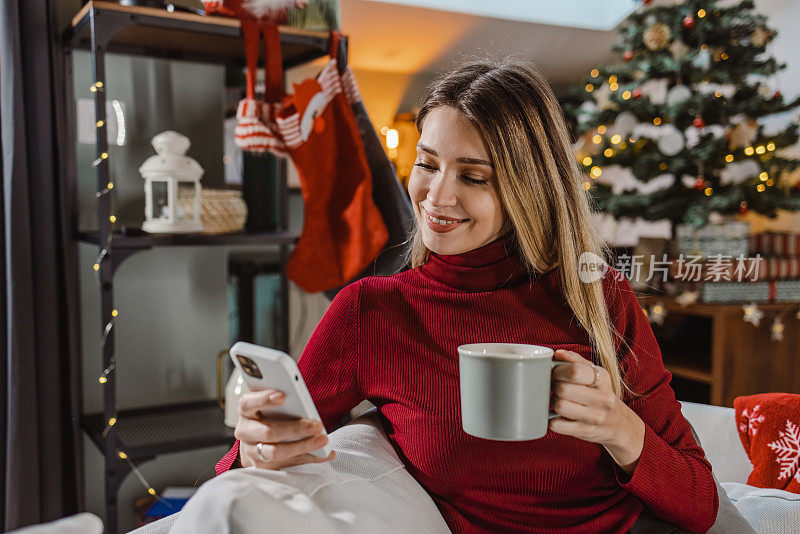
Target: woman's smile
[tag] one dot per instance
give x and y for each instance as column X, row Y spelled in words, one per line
column 441, row 223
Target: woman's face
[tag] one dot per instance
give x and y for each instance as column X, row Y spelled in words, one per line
column 453, row 187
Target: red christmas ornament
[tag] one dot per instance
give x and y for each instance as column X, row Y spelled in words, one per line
column 699, row 183
column 637, row 94
column 699, row 123
column 628, row 55
column 688, row 22
column 645, row 2
column 743, row 208
column 777, row 94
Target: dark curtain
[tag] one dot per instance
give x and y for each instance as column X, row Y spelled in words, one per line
column 39, row 380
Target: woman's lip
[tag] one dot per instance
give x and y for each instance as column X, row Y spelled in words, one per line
column 441, row 228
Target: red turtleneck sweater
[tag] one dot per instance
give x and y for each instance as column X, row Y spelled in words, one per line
column 393, row 340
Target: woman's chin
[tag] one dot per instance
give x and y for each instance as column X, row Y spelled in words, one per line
column 446, row 244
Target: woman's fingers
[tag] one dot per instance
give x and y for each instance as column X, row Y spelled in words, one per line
column 254, row 431
column 277, row 455
column 251, row 404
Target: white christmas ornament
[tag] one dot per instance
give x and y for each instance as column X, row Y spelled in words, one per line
column 655, row 90
column 702, row 60
column 725, row 90
column 625, row 123
column 687, row 297
column 678, row 95
column 678, row 49
column 752, row 314
column 670, row 140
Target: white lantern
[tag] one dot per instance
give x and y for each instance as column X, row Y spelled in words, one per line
column 172, row 187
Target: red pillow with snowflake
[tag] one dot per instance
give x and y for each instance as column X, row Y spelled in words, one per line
column 769, row 427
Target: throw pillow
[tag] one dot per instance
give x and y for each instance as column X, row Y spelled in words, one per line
column 769, row 427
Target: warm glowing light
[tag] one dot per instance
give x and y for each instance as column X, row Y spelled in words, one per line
column 114, row 313
column 104, row 155
column 595, row 73
column 764, row 176
column 587, row 185
column 112, row 421
column 663, row 165
column 616, row 139
column 717, row 94
column 760, row 188
column 93, row 89
column 626, row 95
column 729, row 158
column 613, row 86
column 770, row 146
column 612, row 79
column 701, row 13
column 122, row 455
column 110, row 185
column 608, row 152
column 96, row 266
column 99, row 124
column 601, row 129
column 657, row 121
column 708, row 191
column 392, row 138
column 589, row 88
column 596, row 171
column 657, row 308
column 597, row 139
column 587, row 161
column 749, row 151
column 102, row 380
column 760, row 149
column 99, row 84
column 113, row 219
column 724, row 56
column 384, row 129
column 704, row 47
column 151, row 491
column 770, row 182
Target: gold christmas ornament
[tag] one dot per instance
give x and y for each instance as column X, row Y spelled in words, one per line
column 761, row 36
column 657, row 36
column 743, row 134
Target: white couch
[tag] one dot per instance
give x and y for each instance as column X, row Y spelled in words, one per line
column 367, row 489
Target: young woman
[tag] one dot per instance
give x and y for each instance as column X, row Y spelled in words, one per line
column 501, row 220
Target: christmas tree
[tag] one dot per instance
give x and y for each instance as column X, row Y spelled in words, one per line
column 675, row 130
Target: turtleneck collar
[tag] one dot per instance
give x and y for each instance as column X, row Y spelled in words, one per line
column 493, row 266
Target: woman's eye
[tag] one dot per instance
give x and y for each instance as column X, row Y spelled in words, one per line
column 429, row 168
column 472, row 180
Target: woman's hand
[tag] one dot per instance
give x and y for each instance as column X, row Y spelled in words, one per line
column 252, row 429
column 590, row 411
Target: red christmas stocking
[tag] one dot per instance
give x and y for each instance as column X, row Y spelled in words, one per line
column 343, row 230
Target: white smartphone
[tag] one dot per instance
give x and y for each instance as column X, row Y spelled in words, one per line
column 263, row 368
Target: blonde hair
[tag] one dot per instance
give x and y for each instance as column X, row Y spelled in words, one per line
column 538, row 181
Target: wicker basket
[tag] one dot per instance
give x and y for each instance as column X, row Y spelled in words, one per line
column 222, row 211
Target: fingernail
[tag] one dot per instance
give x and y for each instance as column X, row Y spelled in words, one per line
column 276, row 396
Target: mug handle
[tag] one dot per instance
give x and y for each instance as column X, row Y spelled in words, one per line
column 553, row 364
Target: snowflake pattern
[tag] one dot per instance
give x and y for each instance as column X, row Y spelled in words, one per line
column 753, row 420
column 787, row 450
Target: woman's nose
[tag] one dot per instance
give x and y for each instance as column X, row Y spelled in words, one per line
column 442, row 192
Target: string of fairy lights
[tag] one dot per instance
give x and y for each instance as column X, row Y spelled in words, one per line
column 594, row 171
column 105, row 252
column 751, row 313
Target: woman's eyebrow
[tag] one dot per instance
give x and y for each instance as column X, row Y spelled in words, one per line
column 472, row 161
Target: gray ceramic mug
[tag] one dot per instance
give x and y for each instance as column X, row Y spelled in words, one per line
column 505, row 390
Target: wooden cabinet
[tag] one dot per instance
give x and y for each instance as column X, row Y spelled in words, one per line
column 715, row 356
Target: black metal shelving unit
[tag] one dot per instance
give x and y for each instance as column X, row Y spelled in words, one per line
column 102, row 27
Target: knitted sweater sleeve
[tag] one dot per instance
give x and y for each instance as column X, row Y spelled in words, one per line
column 328, row 364
column 672, row 465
